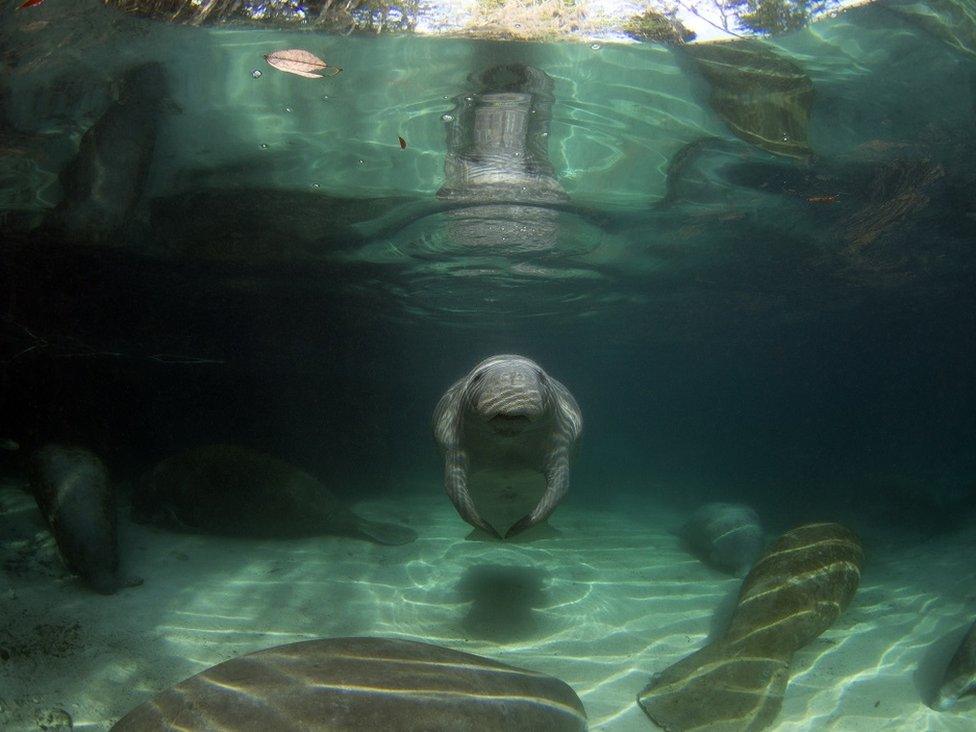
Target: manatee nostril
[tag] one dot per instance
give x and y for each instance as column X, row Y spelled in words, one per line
column 510, row 418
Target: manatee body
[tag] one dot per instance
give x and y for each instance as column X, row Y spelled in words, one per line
column 361, row 684
column 725, row 535
column 960, row 676
column 505, row 417
column 105, row 181
column 232, row 491
column 793, row 593
column 76, row 497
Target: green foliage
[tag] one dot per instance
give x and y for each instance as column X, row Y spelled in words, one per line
column 654, row 25
column 768, row 17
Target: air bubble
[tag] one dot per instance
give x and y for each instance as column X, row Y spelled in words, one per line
column 447, row 118
column 595, row 46
column 287, row 109
column 264, row 146
column 325, row 97
column 256, row 73
column 315, row 185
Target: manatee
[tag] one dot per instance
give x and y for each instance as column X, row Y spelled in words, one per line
column 507, row 414
column 793, row 593
column 960, row 676
column 232, row 491
column 76, row 497
column 497, row 145
column 105, row 181
column 361, row 684
column 726, row 535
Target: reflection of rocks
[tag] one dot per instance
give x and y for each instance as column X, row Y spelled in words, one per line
column 763, row 97
column 895, row 191
column 322, row 14
column 503, row 599
column 951, row 21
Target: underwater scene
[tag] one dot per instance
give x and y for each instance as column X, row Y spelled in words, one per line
column 488, row 365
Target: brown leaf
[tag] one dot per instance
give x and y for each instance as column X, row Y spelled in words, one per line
column 299, row 62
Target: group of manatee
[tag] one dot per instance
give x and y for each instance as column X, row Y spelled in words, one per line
column 507, row 414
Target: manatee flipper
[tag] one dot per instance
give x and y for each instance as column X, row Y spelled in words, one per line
column 568, row 427
column 446, row 428
column 557, row 485
column 456, row 484
column 794, row 592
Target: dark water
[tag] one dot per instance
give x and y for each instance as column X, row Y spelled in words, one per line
column 789, row 322
column 730, row 319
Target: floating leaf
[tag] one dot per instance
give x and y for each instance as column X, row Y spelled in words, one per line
column 299, row 62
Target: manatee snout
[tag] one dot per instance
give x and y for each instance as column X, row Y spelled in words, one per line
column 509, row 396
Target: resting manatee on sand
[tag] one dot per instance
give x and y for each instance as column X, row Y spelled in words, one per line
column 507, row 414
column 794, row 592
column 960, row 676
column 229, row 490
column 361, row 684
column 727, row 536
column 73, row 491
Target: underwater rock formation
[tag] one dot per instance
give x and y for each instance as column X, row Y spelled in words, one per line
column 796, row 590
column 960, row 675
column 361, row 684
column 73, row 491
column 232, row 491
column 763, row 97
column 726, row 535
column 507, row 414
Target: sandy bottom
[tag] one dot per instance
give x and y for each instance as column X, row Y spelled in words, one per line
column 603, row 603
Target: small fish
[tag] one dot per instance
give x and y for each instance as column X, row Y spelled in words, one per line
column 403, row 143
column 29, row 4
column 10, row 445
column 832, row 198
column 299, row 62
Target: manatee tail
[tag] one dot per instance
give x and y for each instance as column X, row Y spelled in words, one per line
column 720, row 687
column 383, row 533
